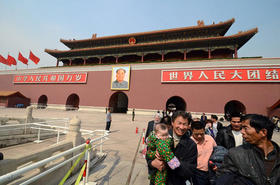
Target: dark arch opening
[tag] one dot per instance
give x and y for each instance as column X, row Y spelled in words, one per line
column 72, row 102
column 234, row 107
column 118, row 102
column 178, row 102
column 42, row 102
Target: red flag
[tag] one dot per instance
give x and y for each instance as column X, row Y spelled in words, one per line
column 11, row 60
column 4, row 61
column 33, row 58
column 22, row 59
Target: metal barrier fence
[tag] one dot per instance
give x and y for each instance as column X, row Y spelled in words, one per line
column 46, row 126
column 86, row 152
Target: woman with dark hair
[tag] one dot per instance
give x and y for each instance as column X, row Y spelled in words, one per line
column 209, row 128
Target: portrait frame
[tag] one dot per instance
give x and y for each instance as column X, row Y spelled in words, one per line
column 122, row 70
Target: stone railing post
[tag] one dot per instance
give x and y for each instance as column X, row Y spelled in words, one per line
column 29, row 117
column 74, row 133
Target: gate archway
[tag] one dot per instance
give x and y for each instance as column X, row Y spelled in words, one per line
column 72, row 102
column 42, row 102
column 234, row 107
column 179, row 103
column 118, row 102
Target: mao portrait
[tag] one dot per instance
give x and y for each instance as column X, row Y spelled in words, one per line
column 120, row 78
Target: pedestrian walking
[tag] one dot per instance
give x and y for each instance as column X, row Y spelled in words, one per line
column 108, row 119
column 133, row 114
column 203, row 118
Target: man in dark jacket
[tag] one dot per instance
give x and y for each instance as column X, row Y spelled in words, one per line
column 259, row 159
column 184, row 149
column 230, row 136
column 151, row 124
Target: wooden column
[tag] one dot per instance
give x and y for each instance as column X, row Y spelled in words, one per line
column 99, row 60
column 185, row 55
column 57, row 63
column 85, row 62
column 70, row 64
column 117, row 59
column 142, row 57
column 162, row 56
column 235, row 53
column 209, row 53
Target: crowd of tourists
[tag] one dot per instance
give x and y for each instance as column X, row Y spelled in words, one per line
column 182, row 150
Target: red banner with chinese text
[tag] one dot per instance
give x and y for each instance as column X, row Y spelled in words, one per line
column 52, row 78
column 222, row 75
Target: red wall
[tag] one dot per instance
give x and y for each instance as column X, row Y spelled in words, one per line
column 147, row 92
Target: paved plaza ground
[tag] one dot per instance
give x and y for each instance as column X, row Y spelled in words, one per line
column 120, row 147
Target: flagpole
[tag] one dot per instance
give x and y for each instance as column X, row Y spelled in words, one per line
column 27, row 63
column 16, row 65
column 17, row 57
column 8, row 55
column 6, row 66
column 7, row 59
column 28, row 60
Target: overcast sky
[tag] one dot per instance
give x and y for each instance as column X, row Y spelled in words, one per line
column 36, row 24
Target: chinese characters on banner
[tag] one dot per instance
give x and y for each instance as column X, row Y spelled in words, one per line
column 52, row 78
column 222, row 75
